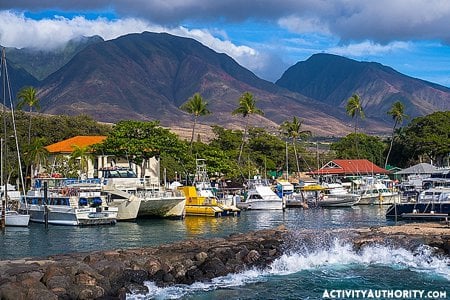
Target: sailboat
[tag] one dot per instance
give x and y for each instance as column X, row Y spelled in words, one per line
column 9, row 216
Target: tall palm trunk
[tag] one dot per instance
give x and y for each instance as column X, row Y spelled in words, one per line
column 296, row 157
column 390, row 146
column 243, row 141
column 193, row 131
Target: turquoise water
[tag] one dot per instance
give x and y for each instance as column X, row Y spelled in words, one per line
column 328, row 267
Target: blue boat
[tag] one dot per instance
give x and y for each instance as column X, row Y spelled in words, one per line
column 432, row 204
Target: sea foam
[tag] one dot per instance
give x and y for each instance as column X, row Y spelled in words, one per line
column 337, row 254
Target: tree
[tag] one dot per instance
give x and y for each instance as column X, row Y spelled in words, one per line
column 138, row 141
column 27, row 96
column 247, row 107
column 196, row 107
column 293, row 131
column 371, row 148
column 397, row 113
column 354, row 109
column 429, row 136
column 35, row 154
column 84, row 154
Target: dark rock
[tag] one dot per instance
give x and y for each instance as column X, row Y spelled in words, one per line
column 112, row 274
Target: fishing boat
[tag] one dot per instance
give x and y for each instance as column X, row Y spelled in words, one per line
column 141, row 197
column 54, row 201
column 260, row 196
column 205, row 195
column 432, row 204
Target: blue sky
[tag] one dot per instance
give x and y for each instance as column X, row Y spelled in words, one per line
column 265, row 36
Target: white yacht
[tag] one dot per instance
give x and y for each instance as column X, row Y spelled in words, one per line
column 260, row 195
column 141, row 197
column 58, row 202
column 375, row 191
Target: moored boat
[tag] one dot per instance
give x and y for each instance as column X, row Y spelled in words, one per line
column 141, row 197
column 205, row 189
column 55, row 202
column 432, row 204
column 260, row 196
column 197, row 205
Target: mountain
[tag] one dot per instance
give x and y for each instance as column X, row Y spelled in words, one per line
column 148, row 76
column 332, row 79
column 41, row 63
column 17, row 78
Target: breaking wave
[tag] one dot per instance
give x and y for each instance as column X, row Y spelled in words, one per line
column 337, row 254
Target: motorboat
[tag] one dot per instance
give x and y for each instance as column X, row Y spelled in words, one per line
column 260, row 196
column 328, row 195
column 374, row 191
column 141, row 197
column 432, row 204
column 205, row 195
column 57, row 202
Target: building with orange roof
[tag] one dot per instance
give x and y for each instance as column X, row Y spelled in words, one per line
column 66, row 147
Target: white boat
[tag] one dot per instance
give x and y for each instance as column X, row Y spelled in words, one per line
column 260, row 195
column 56, row 202
column 335, row 195
column 374, row 191
column 13, row 218
column 141, row 197
column 328, row 195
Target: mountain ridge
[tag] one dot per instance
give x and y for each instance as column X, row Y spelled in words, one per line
column 148, row 76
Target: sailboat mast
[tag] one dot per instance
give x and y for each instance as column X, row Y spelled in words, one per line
column 4, row 195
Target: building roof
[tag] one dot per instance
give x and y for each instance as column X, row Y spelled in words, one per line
column 422, row 168
column 349, row 167
column 67, row 146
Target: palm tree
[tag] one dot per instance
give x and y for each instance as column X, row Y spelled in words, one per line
column 196, row 107
column 293, row 131
column 397, row 113
column 27, row 96
column 247, row 107
column 85, row 155
column 36, row 155
column 354, row 108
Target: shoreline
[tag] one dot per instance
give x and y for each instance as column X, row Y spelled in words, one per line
column 113, row 274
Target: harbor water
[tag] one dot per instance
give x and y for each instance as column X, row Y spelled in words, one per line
column 327, row 268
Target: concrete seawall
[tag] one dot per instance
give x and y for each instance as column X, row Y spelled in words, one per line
column 112, row 274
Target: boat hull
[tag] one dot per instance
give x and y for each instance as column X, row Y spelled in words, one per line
column 163, row 207
column 17, row 220
column 128, row 209
column 62, row 215
column 204, row 210
column 418, row 210
column 275, row 204
column 377, row 200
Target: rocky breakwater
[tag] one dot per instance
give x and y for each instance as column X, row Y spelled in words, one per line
column 112, row 274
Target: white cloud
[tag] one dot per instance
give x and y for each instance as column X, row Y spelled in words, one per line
column 19, row 31
column 368, row 48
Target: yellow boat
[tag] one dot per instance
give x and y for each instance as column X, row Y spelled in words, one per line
column 200, row 206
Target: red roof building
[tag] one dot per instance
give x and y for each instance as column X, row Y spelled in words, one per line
column 349, row 167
